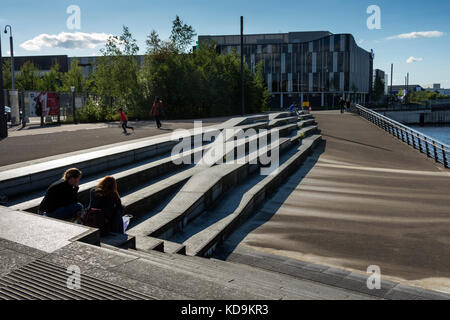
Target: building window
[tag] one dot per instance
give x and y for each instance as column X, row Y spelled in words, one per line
column 290, row 82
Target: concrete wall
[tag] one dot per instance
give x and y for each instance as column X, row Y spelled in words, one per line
column 413, row 117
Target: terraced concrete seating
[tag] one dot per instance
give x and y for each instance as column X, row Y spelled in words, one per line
column 199, row 193
column 204, row 242
column 145, row 199
column 37, row 176
column 198, row 276
column 203, row 189
column 136, row 173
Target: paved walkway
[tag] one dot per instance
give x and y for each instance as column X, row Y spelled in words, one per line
column 35, row 142
column 365, row 198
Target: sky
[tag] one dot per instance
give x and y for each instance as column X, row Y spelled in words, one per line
column 413, row 35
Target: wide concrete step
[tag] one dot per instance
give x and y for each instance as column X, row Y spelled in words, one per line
column 222, row 220
column 279, row 115
column 39, row 175
column 131, row 175
column 199, row 193
column 143, row 200
column 259, row 282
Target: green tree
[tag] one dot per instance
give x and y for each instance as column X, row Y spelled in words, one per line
column 73, row 78
column 117, row 74
column 28, row 77
column 182, row 35
column 51, row 81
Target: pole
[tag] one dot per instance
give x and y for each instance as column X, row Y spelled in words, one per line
column 13, row 76
column 242, row 66
column 392, row 75
column 22, row 106
column 3, row 122
column 74, row 108
column 11, row 47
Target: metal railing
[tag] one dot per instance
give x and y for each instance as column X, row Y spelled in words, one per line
column 437, row 150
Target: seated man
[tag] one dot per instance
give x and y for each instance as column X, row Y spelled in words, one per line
column 61, row 198
column 293, row 108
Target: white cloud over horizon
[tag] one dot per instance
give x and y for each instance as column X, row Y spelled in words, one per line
column 66, row 40
column 413, row 59
column 418, row 34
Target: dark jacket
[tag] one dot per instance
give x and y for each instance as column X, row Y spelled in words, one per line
column 60, row 194
column 111, row 207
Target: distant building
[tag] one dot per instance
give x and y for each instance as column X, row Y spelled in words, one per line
column 44, row 63
column 380, row 74
column 318, row 66
column 411, row 88
column 436, row 87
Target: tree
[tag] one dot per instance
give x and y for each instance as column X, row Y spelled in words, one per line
column 28, row 77
column 117, row 73
column 73, row 78
column 182, row 35
column 51, row 81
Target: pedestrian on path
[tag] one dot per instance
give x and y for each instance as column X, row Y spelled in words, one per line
column 156, row 111
column 124, row 122
column 342, row 104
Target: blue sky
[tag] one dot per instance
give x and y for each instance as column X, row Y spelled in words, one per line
column 30, row 19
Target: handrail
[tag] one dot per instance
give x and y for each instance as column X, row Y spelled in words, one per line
column 425, row 144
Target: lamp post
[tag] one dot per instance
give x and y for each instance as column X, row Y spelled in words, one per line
column 242, row 67
column 3, row 124
column 72, row 88
column 11, row 47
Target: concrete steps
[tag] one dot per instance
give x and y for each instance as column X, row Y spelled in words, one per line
column 267, row 284
column 129, row 176
column 219, row 222
column 199, row 193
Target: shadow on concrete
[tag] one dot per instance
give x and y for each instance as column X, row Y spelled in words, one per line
column 227, row 247
column 355, row 142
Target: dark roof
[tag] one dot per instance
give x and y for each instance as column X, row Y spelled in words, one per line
column 291, row 37
column 42, row 62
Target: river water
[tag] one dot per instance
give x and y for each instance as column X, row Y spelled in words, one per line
column 440, row 133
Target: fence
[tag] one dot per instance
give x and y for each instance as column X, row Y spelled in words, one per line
column 439, row 151
column 26, row 103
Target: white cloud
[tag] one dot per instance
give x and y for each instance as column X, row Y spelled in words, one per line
column 66, row 40
column 413, row 59
column 419, row 34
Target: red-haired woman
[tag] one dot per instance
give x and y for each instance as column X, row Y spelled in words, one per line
column 105, row 209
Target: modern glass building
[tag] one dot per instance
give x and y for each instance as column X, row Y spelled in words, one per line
column 313, row 66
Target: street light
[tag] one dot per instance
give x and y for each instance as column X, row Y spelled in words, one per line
column 3, row 122
column 11, row 47
column 72, row 88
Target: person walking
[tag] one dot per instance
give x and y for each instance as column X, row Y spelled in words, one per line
column 124, row 121
column 156, row 111
column 342, row 104
column 61, row 199
column 105, row 208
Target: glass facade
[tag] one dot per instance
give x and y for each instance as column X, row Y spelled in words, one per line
column 304, row 64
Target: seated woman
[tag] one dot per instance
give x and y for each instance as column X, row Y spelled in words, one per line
column 105, row 209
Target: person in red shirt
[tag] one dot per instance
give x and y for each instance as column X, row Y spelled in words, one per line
column 156, row 111
column 124, row 122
